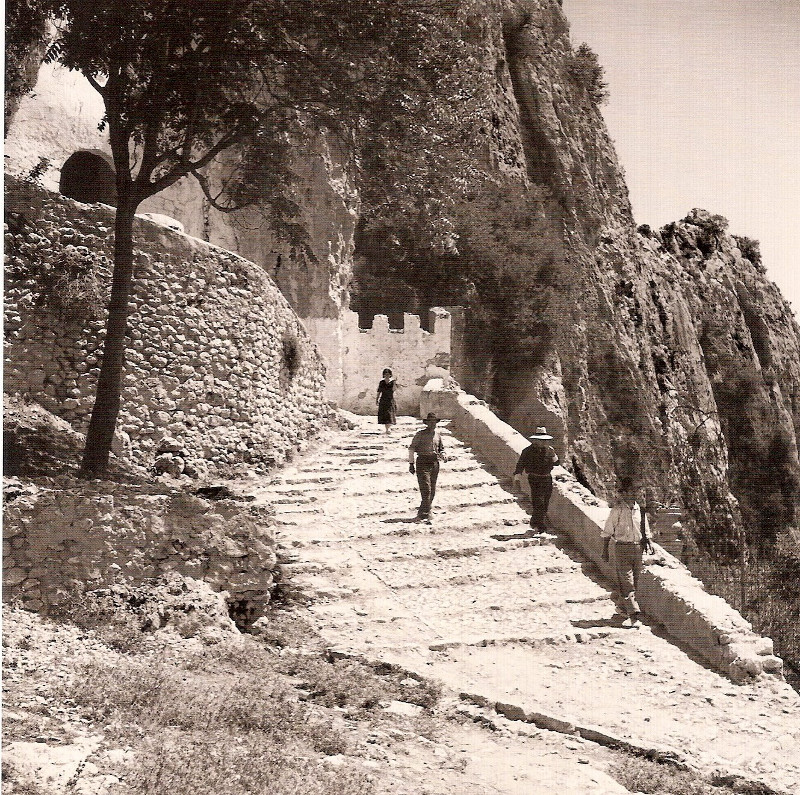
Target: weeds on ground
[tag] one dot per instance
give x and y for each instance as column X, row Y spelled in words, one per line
column 212, row 764
column 117, row 627
column 654, row 778
column 351, row 683
column 221, row 733
column 13, row 781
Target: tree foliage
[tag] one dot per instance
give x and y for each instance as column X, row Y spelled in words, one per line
column 585, row 69
column 26, row 30
column 189, row 81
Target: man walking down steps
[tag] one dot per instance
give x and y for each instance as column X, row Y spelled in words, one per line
column 429, row 449
column 536, row 461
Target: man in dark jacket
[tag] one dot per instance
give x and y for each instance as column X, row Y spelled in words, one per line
column 536, row 461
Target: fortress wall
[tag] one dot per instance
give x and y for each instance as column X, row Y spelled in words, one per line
column 413, row 354
column 100, row 533
column 219, row 370
column 667, row 591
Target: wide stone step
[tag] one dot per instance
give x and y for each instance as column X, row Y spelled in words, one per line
column 318, row 530
column 361, row 625
column 387, row 484
column 329, row 471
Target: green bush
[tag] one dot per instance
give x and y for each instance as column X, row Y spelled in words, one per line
column 585, row 69
column 751, row 250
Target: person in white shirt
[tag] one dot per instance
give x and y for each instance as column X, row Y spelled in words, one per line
column 627, row 527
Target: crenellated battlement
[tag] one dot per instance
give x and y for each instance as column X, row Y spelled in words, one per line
column 438, row 323
column 412, row 353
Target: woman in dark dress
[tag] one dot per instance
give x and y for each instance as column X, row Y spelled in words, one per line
column 387, row 408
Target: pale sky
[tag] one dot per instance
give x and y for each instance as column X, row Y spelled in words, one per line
column 705, row 112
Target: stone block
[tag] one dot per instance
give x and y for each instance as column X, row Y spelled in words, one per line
column 14, row 576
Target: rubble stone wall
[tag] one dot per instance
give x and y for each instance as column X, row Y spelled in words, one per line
column 91, row 535
column 219, row 370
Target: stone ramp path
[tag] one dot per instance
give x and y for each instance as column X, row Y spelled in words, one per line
column 524, row 623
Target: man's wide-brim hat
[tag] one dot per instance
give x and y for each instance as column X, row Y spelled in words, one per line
column 431, row 417
column 541, row 433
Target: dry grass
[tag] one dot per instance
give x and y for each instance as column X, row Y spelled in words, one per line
column 240, row 716
column 211, row 764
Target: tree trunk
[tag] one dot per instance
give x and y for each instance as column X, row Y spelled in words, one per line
column 109, row 385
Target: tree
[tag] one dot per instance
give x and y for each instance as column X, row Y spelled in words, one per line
column 185, row 81
column 585, row 69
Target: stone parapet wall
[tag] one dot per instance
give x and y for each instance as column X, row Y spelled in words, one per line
column 413, row 354
column 667, row 591
column 219, row 369
column 93, row 534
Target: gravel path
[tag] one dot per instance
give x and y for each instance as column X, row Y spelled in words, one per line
column 524, row 624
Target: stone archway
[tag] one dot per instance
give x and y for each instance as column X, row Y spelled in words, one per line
column 89, row 177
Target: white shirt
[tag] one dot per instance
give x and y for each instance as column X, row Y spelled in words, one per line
column 623, row 523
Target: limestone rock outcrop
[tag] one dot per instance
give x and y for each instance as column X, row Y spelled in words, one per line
column 667, row 355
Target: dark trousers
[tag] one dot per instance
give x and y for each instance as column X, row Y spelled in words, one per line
column 541, row 489
column 427, row 474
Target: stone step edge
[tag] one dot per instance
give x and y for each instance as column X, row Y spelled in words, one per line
column 493, row 716
column 737, row 780
column 530, row 641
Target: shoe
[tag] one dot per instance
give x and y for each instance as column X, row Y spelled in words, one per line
column 632, row 622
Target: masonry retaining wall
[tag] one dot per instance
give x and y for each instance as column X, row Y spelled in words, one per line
column 219, row 370
column 667, row 591
column 97, row 533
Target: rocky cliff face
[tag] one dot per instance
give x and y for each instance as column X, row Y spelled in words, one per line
column 667, row 356
column 673, row 359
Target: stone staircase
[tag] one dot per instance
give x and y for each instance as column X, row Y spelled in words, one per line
column 525, row 626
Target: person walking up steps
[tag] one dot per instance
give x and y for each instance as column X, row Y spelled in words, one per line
column 429, row 449
column 536, row 461
column 627, row 527
column 387, row 406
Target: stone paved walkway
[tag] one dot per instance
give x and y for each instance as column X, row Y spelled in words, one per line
column 520, row 622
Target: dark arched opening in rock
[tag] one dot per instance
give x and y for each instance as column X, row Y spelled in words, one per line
column 89, row 177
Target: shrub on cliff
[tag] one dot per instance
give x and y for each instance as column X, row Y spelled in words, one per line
column 584, row 68
column 751, row 249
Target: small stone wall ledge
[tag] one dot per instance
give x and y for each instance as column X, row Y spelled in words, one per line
column 667, row 592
